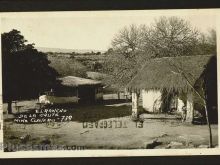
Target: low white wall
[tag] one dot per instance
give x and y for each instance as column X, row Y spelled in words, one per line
column 180, row 105
column 148, row 99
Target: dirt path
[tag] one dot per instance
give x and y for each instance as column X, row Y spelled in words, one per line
column 124, row 134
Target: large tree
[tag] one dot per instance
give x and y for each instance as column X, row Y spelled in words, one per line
column 128, row 40
column 171, row 36
column 125, row 55
column 25, row 71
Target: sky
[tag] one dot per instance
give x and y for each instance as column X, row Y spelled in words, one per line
column 91, row 30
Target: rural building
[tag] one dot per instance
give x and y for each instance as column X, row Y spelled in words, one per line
column 75, row 89
column 112, row 91
column 179, row 76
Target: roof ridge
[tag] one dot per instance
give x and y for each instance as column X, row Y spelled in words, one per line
column 80, row 78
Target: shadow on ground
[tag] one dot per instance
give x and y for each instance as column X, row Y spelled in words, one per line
column 86, row 112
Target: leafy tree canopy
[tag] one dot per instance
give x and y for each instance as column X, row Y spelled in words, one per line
column 26, row 72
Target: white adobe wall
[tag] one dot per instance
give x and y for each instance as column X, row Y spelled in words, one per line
column 180, row 104
column 134, row 105
column 148, row 99
column 189, row 107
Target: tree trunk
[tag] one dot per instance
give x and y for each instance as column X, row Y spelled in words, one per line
column 207, row 119
column 209, row 127
column 9, row 107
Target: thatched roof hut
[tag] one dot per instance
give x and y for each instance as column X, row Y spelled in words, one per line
column 177, row 75
column 164, row 73
column 87, row 90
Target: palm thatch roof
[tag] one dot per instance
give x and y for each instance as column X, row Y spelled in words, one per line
column 170, row 73
column 73, row 81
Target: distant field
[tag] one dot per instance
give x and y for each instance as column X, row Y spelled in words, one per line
column 68, row 66
column 91, row 57
column 74, row 65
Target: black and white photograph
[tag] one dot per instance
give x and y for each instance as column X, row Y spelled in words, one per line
column 109, row 80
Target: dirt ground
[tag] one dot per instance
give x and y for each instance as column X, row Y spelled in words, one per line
column 112, row 132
